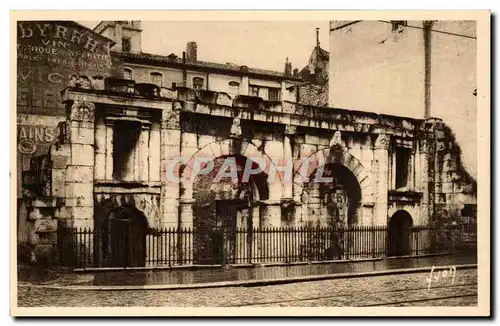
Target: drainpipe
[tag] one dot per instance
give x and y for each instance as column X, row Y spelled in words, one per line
column 184, row 72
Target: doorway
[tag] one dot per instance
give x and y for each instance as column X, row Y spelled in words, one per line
column 399, row 234
column 225, row 232
column 127, row 238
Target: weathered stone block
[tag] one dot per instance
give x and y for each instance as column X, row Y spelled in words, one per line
column 37, row 213
column 81, row 135
column 81, row 213
column 45, row 225
column 188, row 139
column 79, row 189
column 62, row 150
column 82, row 201
column 45, row 254
column 205, row 140
column 82, row 155
column 83, row 174
column 60, row 162
column 47, row 238
column 43, row 202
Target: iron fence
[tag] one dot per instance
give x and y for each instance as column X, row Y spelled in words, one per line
column 183, row 246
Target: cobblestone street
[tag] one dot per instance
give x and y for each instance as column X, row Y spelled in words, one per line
column 391, row 290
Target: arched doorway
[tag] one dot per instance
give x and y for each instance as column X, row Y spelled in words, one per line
column 399, row 234
column 335, row 198
column 332, row 198
column 123, row 238
column 224, row 210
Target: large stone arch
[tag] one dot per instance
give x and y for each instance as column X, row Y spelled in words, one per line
column 224, row 148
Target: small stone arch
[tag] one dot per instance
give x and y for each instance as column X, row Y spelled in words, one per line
column 121, row 230
column 399, row 233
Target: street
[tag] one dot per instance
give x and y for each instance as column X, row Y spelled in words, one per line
column 390, row 290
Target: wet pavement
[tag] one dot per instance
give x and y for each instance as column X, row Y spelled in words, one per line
column 386, row 290
column 208, row 275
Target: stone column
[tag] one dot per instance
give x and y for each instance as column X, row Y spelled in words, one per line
column 381, row 178
column 100, row 150
column 79, row 185
column 144, row 153
column 423, row 180
column 80, row 170
column 288, row 161
column 154, row 152
column 109, row 149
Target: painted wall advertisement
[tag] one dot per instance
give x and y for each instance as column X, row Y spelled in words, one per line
column 49, row 54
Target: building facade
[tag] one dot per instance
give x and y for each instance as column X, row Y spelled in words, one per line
column 132, row 155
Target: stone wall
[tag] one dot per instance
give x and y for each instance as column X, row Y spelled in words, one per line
column 311, row 94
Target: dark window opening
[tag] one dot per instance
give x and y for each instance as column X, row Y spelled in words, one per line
column 126, row 44
column 127, row 73
column 274, row 94
column 125, row 139
column 198, row 83
column 174, row 86
column 402, row 168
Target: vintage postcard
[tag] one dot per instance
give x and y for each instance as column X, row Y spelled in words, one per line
column 318, row 163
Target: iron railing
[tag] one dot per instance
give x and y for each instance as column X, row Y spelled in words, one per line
column 183, row 246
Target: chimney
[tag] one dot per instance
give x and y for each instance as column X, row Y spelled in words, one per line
column 288, row 67
column 191, row 52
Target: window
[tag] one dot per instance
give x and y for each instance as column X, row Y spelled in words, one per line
column 274, row 94
column 402, row 166
column 125, row 140
column 253, row 91
column 174, row 86
column 198, row 83
column 234, row 88
column 126, row 44
column 127, row 73
column 156, row 78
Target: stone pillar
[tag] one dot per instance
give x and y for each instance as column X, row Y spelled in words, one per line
column 80, row 170
column 100, row 150
column 288, row 161
column 154, row 153
column 109, row 149
column 79, row 185
column 381, row 178
column 143, row 153
column 423, row 180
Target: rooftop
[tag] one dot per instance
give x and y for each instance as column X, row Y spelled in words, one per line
column 173, row 60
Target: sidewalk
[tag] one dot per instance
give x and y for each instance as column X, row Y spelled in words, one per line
column 207, row 277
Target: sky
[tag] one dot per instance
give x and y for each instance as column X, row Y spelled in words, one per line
column 266, row 45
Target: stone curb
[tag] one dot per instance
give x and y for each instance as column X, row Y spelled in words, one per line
column 247, row 283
